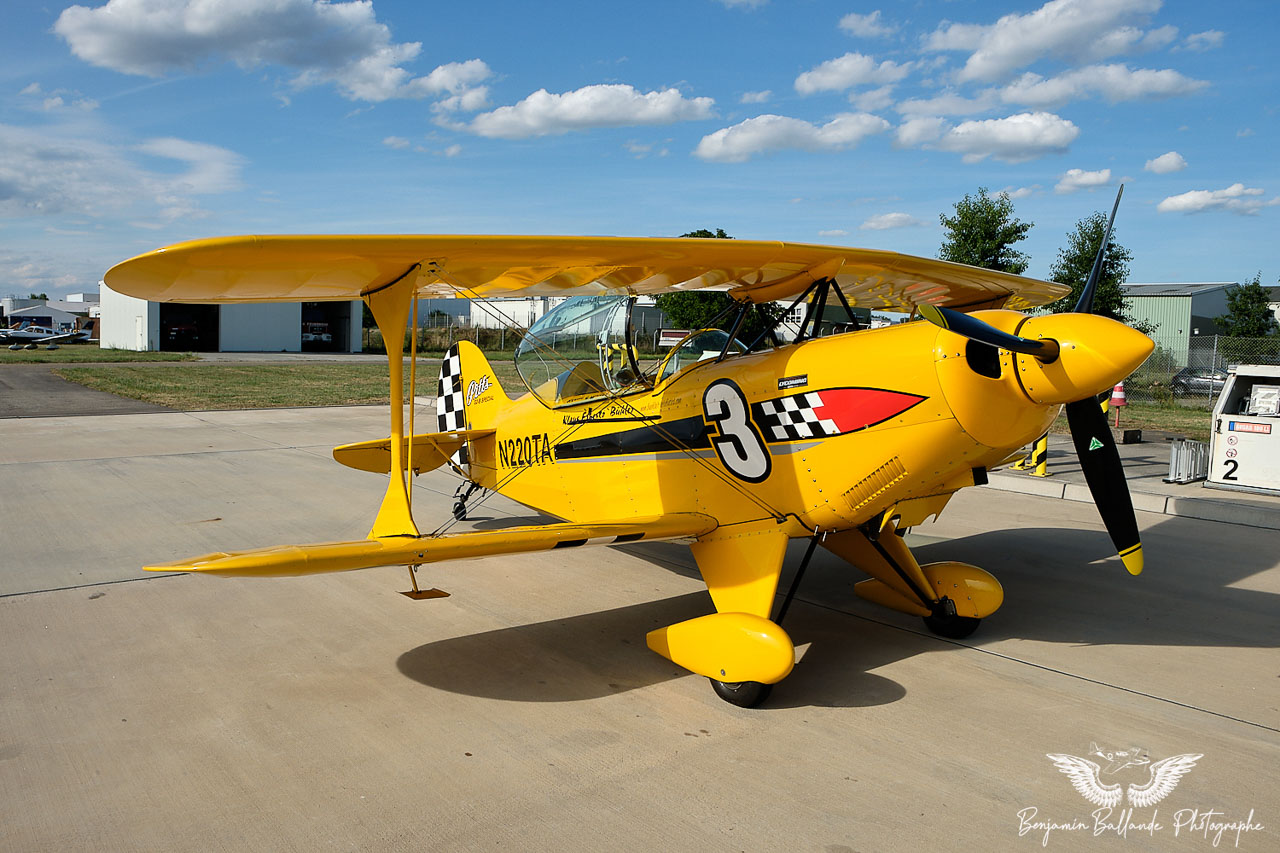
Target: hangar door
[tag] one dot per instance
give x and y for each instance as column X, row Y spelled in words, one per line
column 188, row 328
column 326, row 327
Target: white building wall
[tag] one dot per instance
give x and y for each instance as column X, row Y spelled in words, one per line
column 357, row 326
column 128, row 322
column 522, row 311
column 269, row 327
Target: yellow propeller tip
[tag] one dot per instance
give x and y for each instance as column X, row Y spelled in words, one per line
column 1133, row 561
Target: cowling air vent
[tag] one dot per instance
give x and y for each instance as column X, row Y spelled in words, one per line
column 874, row 484
column 983, row 359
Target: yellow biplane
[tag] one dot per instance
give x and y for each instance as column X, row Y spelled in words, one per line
column 736, row 446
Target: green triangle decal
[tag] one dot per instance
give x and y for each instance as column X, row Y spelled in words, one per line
column 1094, row 444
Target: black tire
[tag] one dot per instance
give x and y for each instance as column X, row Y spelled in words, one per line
column 952, row 627
column 460, row 511
column 744, row 694
column 1178, row 389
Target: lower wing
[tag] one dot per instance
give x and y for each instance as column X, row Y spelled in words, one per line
column 291, row 560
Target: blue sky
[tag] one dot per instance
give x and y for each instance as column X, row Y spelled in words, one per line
column 136, row 123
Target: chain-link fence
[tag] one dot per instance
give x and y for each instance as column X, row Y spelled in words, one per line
column 1194, row 377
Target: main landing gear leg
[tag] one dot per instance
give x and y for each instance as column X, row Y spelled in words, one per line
column 952, row 598
column 737, row 648
column 749, row 694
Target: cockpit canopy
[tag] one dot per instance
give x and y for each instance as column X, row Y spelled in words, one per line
column 581, row 350
column 585, row 349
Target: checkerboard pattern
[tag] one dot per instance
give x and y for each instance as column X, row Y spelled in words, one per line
column 449, row 400
column 796, row 417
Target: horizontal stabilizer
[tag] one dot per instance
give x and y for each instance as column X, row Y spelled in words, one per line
column 291, row 560
column 430, row 450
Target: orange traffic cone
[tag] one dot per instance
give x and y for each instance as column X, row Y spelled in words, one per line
column 1117, row 400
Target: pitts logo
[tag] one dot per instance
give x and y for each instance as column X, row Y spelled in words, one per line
column 525, row 452
column 477, row 387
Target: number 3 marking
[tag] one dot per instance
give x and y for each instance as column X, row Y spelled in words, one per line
column 739, row 445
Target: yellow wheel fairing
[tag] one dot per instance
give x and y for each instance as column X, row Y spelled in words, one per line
column 729, row 647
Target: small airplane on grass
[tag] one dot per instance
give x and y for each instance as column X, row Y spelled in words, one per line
column 845, row 440
column 27, row 336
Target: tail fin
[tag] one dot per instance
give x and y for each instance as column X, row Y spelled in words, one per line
column 468, row 396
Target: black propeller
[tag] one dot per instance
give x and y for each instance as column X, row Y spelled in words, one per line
column 1045, row 349
column 1099, row 459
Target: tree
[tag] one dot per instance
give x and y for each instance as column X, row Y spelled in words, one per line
column 696, row 309
column 1249, row 313
column 982, row 234
column 718, row 234
column 1075, row 261
column 43, row 296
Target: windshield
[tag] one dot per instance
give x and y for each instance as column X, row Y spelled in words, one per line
column 699, row 346
column 580, row 350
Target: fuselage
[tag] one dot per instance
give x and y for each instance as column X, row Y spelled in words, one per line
column 826, row 433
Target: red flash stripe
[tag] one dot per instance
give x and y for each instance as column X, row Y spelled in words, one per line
column 858, row 408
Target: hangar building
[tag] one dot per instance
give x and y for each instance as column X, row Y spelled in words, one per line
column 136, row 324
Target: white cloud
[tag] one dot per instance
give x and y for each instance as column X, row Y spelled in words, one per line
column 467, row 101
column 1079, row 179
column 873, row 99
column 53, row 172
column 1236, row 198
column 605, row 105
column 919, row 131
column 452, row 151
column 455, row 77
column 852, row 69
column 396, row 142
column 867, row 26
column 768, row 133
column 339, row 43
column 949, row 104
column 1074, row 30
column 1114, row 82
column 1166, row 163
column 755, row 97
column 834, row 232
column 888, row 221
column 1016, row 193
column 59, row 98
column 1013, row 139
column 1200, row 42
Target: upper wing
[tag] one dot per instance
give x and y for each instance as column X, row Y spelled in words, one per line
column 317, row 268
column 322, row 557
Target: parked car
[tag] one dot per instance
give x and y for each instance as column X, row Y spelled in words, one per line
column 1200, row 381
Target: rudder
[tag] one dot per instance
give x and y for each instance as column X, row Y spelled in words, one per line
column 468, row 395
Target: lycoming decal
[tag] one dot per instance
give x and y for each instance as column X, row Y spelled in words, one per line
column 793, row 382
column 525, row 452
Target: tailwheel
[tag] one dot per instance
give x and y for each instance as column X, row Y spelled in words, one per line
column 744, row 694
column 945, row 622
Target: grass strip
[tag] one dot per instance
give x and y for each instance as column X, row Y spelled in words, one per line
column 87, row 354
column 1193, row 422
column 262, row 386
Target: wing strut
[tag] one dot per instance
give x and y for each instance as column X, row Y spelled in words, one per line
column 390, row 305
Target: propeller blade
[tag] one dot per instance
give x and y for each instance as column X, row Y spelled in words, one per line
column 1100, row 462
column 1045, row 349
column 1085, row 304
